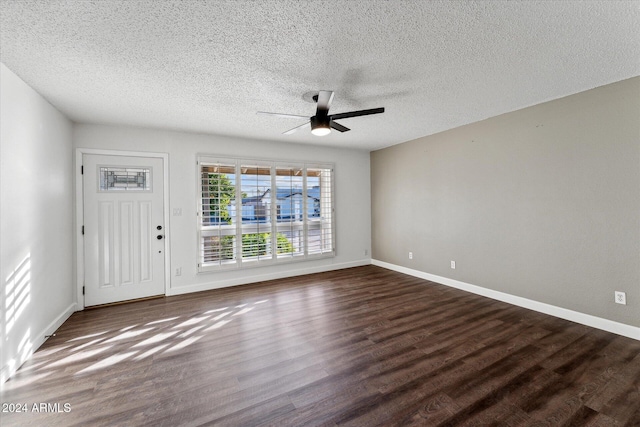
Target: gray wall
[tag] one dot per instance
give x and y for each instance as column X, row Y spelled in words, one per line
column 36, row 217
column 541, row 203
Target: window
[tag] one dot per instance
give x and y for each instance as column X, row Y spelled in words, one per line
column 256, row 212
column 124, row 179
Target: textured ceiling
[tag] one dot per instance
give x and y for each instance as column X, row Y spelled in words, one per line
column 209, row 66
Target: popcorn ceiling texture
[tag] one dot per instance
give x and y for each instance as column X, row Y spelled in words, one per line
column 209, row 66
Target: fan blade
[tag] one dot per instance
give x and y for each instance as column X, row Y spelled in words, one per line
column 286, row 116
column 338, row 127
column 324, row 99
column 356, row 113
column 290, row 131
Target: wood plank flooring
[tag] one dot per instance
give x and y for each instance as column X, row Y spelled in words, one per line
column 357, row 347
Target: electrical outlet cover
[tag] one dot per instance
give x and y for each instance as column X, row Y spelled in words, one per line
column 620, row 297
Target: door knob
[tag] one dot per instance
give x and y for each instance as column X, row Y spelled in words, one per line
column 159, row 227
column 160, row 236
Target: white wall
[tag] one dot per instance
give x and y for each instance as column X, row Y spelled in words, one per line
column 36, row 200
column 352, row 186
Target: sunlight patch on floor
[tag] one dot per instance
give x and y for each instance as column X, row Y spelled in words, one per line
column 162, row 336
column 184, row 343
column 220, row 316
column 216, row 310
column 87, row 344
column 97, row 334
column 17, row 381
column 168, row 319
column 33, row 366
column 191, row 331
column 156, row 339
column 129, row 334
column 243, row 311
column 217, row 325
column 76, row 357
column 191, row 321
column 150, row 352
column 109, row 361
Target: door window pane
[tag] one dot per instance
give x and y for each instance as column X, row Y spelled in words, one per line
column 124, row 179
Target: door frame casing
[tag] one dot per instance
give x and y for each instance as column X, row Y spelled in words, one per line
column 79, row 214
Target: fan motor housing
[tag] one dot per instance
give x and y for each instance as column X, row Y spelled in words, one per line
column 319, row 120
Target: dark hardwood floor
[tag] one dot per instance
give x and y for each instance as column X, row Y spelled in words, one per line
column 359, row 347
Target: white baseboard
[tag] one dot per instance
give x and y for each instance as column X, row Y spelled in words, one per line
column 563, row 313
column 57, row 322
column 263, row 277
column 9, row 369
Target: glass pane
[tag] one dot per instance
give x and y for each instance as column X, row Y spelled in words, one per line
column 218, row 249
column 256, row 246
column 218, row 194
column 319, row 211
column 124, row 179
column 289, row 211
column 218, row 241
column 255, row 186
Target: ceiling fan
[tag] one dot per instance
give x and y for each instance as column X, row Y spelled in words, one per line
column 323, row 122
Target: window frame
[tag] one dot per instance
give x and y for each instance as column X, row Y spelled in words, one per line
column 242, row 262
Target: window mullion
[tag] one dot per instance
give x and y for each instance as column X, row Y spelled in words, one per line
column 305, row 213
column 238, row 218
column 273, row 197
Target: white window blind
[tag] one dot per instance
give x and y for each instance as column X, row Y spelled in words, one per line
column 255, row 188
column 290, row 208
column 217, row 214
column 320, row 218
column 255, row 212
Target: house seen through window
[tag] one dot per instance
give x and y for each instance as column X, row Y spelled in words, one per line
column 256, row 212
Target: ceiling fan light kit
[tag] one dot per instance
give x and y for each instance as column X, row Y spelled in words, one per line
column 319, row 128
column 323, row 122
column 321, row 131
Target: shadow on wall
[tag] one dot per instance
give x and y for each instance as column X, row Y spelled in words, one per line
column 17, row 297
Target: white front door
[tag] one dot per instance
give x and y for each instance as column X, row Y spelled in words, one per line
column 123, row 228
